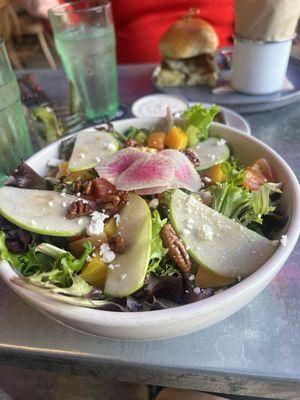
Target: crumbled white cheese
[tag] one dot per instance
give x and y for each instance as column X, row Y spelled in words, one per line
column 274, row 242
column 82, row 155
column 80, row 221
column 111, row 267
column 78, row 194
column 205, row 232
column 33, row 222
column 88, row 258
column 117, row 217
column 96, row 225
column 64, row 204
column 197, row 290
column 153, row 203
column 111, row 146
column 221, row 142
column 123, row 276
column 54, row 162
column 63, row 194
column 186, row 232
column 207, row 179
column 106, row 253
column 191, row 202
column 97, row 159
column 283, row 240
column 50, row 204
column 191, row 277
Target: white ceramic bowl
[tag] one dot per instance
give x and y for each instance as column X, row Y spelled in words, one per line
column 190, row 317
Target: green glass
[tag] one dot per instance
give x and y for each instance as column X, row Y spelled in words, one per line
column 15, row 143
column 85, row 40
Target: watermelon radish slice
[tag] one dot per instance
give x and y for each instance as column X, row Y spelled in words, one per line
column 153, row 190
column 147, row 172
column 111, row 167
column 185, row 175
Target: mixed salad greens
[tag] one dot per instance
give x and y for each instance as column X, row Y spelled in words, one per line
column 147, row 220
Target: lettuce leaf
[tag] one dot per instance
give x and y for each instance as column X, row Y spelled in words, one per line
column 58, row 271
column 138, row 134
column 260, row 204
column 28, row 263
column 196, row 122
column 25, row 177
column 64, row 266
column 242, row 205
column 157, row 250
column 233, row 173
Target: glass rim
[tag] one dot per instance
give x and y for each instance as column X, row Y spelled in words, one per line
column 61, row 8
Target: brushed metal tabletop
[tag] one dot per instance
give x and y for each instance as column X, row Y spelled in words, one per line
column 254, row 352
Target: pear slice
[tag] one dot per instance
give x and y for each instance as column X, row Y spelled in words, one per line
column 90, row 147
column 40, row 211
column 210, row 152
column 215, row 242
column 131, row 266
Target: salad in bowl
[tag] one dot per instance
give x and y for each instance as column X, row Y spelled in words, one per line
column 143, row 220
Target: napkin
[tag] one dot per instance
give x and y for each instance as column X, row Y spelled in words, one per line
column 266, row 20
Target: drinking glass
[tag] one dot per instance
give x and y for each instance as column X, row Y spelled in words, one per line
column 15, row 143
column 85, row 40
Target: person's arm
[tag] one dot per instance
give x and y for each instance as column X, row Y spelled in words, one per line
column 39, row 8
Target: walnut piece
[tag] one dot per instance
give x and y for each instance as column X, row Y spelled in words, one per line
column 78, row 209
column 176, row 248
column 111, row 204
column 117, row 244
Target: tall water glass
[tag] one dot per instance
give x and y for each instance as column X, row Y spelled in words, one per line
column 15, row 143
column 85, row 40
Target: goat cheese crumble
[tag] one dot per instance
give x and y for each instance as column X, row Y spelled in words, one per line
column 106, row 253
column 117, row 218
column 153, row 203
column 96, row 225
column 283, row 240
column 221, row 142
column 205, row 232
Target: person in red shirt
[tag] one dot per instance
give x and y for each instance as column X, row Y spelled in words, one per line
column 139, row 24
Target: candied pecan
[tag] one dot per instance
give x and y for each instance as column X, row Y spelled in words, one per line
column 79, row 208
column 192, row 156
column 111, row 204
column 88, row 187
column 131, row 143
column 117, row 244
column 82, row 186
column 176, row 248
column 101, row 186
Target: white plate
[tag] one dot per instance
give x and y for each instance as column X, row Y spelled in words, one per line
column 190, row 317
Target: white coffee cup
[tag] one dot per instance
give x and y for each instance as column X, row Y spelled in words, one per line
column 258, row 67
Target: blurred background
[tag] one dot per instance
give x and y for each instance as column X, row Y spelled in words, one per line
column 30, row 43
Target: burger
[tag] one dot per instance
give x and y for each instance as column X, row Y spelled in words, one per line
column 188, row 49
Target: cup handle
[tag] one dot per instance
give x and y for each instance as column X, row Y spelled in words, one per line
column 223, row 59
